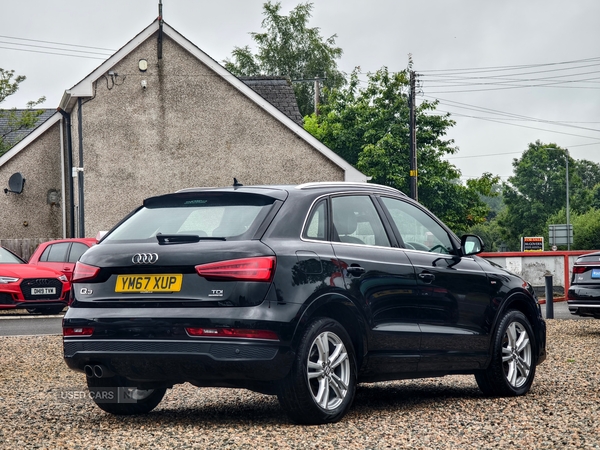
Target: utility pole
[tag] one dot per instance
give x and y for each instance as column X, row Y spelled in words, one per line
column 568, row 218
column 317, row 94
column 414, row 192
column 316, row 80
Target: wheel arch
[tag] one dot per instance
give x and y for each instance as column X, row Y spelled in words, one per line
column 340, row 308
column 525, row 304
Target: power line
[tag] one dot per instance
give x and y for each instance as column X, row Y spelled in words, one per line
column 52, row 53
column 461, row 105
column 484, row 156
column 510, row 74
column 57, row 43
column 504, row 120
column 503, row 88
column 501, row 68
column 53, row 48
column 536, row 128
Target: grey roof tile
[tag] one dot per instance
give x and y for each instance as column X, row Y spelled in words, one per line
column 278, row 91
column 12, row 137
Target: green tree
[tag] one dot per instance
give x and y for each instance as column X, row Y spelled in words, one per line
column 491, row 234
column 15, row 119
column 595, row 197
column 586, row 228
column 289, row 47
column 537, row 189
column 369, row 127
column 495, row 202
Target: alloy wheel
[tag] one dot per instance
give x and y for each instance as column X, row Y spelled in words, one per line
column 516, row 354
column 328, row 370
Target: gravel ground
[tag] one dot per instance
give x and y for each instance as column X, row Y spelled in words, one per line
column 37, row 408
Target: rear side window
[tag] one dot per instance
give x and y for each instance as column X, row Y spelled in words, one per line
column 317, row 222
column 56, row 252
column 356, row 221
column 207, row 215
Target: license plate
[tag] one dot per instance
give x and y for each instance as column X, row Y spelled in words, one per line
column 148, row 284
column 595, row 273
column 43, row 291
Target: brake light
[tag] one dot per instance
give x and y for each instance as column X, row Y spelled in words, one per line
column 247, row 269
column 579, row 269
column 232, row 332
column 77, row 331
column 83, row 272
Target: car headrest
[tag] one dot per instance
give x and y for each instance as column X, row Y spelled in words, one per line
column 345, row 222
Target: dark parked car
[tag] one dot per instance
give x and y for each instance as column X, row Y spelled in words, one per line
column 583, row 296
column 61, row 254
column 299, row 291
column 36, row 289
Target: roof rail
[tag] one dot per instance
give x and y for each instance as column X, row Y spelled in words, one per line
column 321, row 184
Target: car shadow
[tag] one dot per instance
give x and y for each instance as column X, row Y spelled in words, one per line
column 258, row 409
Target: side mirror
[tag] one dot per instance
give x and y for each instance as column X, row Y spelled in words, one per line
column 471, row 244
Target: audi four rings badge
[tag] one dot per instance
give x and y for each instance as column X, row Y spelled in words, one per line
column 144, row 258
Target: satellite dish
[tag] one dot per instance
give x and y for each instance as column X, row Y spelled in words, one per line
column 15, row 183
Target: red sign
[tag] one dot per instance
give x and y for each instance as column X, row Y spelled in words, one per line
column 532, row 244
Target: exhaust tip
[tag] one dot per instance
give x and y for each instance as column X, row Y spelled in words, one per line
column 89, row 371
column 102, row 372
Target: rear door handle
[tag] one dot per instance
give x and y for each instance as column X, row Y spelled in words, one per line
column 427, row 277
column 355, row 270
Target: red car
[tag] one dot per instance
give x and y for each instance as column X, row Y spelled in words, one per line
column 36, row 289
column 61, row 254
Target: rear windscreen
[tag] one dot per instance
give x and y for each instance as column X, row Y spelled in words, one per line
column 206, row 215
column 591, row 260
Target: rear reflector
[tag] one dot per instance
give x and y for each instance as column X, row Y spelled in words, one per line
column 232, row 332
column 77, row 331
column 247, row 269
column 83, row 272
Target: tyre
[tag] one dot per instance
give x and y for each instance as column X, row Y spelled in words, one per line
column 512, row 368
column 114, row 396
column 321, row 384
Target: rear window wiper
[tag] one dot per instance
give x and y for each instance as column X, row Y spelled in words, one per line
column 167, row 239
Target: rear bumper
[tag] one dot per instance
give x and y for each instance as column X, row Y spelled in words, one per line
column 151, row 345
column 584, row 300
column 202, row 363
column 584, row 308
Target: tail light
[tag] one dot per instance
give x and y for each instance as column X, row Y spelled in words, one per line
column 232, row 332
column 247, row 269
column 579, row 269
column 83, row 272
column 77, row 331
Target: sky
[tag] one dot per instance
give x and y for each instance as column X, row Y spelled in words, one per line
column 510, row 72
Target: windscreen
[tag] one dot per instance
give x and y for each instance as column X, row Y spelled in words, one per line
column 206, row 215
column 7, row 257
